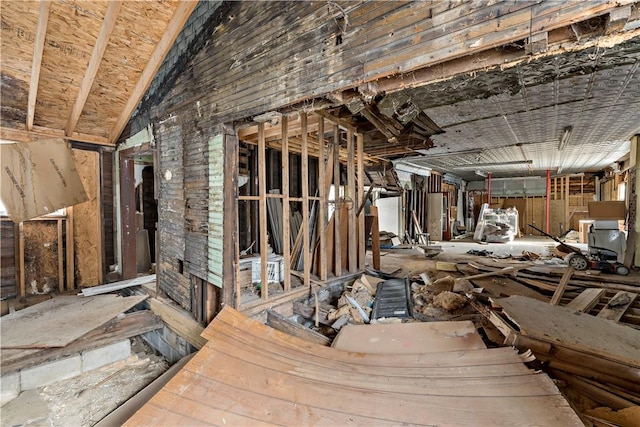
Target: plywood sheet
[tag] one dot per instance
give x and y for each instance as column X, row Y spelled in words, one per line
column 250, row 374
column 572, row 329
column 61, row 320
column 407, row 338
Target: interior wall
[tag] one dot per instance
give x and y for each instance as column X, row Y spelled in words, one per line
column 86, row 226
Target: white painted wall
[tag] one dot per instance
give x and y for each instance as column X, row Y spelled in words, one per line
column 390, row 214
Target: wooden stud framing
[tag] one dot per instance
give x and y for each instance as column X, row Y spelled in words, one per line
column 566, row 203
column 361, row 242
column 60, row 256
column 179, row 18
column 322, row 189
column 351, row 185
column 306, row 242
column 286, row 206
column 108, row 24
column 70, row 253
column 38, row 50
column 262, row 226
column 337, row 238
column 22, row 291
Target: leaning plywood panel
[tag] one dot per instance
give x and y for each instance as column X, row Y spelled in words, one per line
column 575, row 330
column 61, row 320
column 250, row 374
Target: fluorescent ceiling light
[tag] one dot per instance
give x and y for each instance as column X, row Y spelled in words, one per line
column 404, row 166
column 482, row 174
column 564, row 139
column 479, row 166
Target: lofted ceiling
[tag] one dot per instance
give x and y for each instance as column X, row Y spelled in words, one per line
column 78, row 69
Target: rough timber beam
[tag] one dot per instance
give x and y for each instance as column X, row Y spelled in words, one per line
column 40, row 133
column 99, row 48
column 178, row 20
column 41, row 31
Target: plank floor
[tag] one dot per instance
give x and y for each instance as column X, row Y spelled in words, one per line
column 251, row 374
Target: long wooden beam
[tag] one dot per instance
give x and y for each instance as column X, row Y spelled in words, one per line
column 108, row 24
column 179, row 18
column 41, row 32
column 39, row 133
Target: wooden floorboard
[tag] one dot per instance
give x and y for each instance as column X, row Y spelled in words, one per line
column 250, row 374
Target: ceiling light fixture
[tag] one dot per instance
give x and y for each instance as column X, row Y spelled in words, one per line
column 564, row 139
column 476, row 166
column 482, row 174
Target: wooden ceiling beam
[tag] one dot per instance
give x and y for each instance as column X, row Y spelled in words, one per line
column 41, row 32
column 108, row 24
column 39, row 133
column 179, row 18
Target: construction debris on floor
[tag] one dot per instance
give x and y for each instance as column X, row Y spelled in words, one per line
column 71, row 360
column 251, row 374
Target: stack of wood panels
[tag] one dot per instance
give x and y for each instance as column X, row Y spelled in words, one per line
column 595, row 356
column 250, row 374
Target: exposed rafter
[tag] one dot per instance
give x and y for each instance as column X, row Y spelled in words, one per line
column 94, row 63
column 178, row 20
column 41, row 31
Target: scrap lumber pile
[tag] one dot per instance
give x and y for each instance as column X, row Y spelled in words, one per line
column 43, row 332
column 251, row 374
column 593, row 356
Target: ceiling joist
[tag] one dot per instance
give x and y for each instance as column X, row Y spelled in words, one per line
column 39, row 133
column 94, row 63
column 179, row 18
column 41, row 31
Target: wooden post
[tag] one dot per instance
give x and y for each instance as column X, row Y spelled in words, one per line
column 230, row 292
column 361, row 240
column 351, row 185
column 286, row 207
column 566, row 203
column 128, row 216
column 70, row 250
column 337, row 239
column 60, row 256
column 306, row 238
column 375, row 238
column 262, row 227
column 22, row 285
column 547, row 203
column 322, row 191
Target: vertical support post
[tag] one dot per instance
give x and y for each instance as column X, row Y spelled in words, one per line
column 337, row 240
column 286, row 207
column 489, row 188
column 70, row 254
column 635, row 166
column 306, row 238
column 230, row 293
column 566, row 202
column 351, row 185
column 22, row 291
column 128, row 216
column 361, row 241
column 547, row 203
column 375, row 238
column 60, row 256
column 262, row 227
column 100, row 221
column 322, row 191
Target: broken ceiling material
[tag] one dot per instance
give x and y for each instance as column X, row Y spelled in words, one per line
column 61, row 320
column 39, row 178
column 250, row 374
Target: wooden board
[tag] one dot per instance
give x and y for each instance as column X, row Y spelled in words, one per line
column 615, row 308
column 408, row 338
column 578, row 331
column 281, row 323
column 250, row 374
column 586, row 300
column 61, row 320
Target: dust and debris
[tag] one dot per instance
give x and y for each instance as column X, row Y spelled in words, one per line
column 450, row 301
